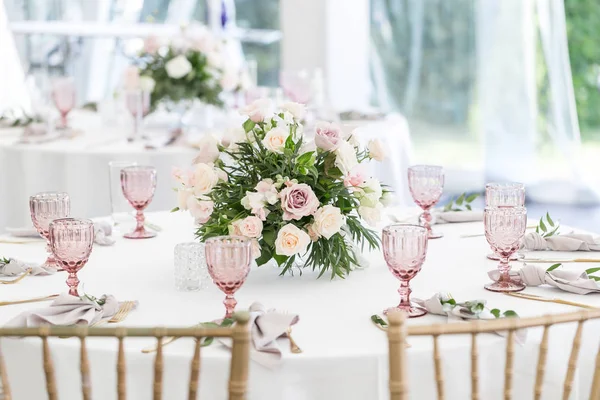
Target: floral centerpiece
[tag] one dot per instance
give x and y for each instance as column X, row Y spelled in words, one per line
column 296, row 197
column 190, row 66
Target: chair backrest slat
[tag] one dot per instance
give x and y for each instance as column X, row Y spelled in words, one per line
column 474, row 368
column 195, row 371
column 437, row 362
column 573, row 361
column 158, row 369
column 48, row 368
column 508, row 369
column 595, row 391
column 4, row 384
column 541, row 365
column 86, row 383
column 121, row 371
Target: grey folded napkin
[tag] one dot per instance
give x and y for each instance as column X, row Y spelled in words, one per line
column 443, row 217
column 444, row 304
column 266, row 326
column 102, row 231
column 69, row 310
column 569, row 281
column 568, row 242
column 16, row 267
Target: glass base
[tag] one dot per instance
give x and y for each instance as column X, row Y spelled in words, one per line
column 435, row 235
column 140, row 234
column 412, row 311
column 505, row 286
column 514, row 257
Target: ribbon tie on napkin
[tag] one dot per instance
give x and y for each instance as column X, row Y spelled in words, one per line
column 265, row 327
column 536, row 275
column 17, row 267
column 568, row 242
column 68, row 310
column 443, row 304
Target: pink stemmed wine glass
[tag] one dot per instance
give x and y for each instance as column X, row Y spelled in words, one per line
column 63, row 94
column 426, row 184
column 404, row 250
column 504, row 229
column 138, row 184
column 504, row 195
column 44, row 208
column 228, row 259
column 71, row 240
column 138, row 104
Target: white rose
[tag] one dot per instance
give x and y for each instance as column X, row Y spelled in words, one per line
column 371, row 215
column 147, row 84
column 376, row 150
column 328, row 221
column 205, row 179
column 182, row 198
column 387, row 199
column 201, row 210
column 371, row 192
column 178, row 67
column 353, row 139
column 208, row 150
column 297, row 110
column 250, row 227
column 291, row 240
column 214, row 59
column 345, row 157
column 275, row 139
column 233, row 136
column 230, row 79
column 259, row 110
column 253, row 201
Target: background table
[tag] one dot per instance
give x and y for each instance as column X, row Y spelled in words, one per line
column 345, row 356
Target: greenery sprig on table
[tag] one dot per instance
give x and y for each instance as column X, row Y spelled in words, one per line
column 588, row 271
column 13, row 121
column 461, row 203
column 547, row 227
column 207, row 341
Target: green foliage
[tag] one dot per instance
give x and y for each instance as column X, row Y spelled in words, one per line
column 461, row 203
column 548, row 228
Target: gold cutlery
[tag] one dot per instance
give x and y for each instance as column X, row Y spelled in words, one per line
column 17, row 279
column 35, row 299
column 20, row 241
column 549, row 300
column 294, row 348
column 566, row 260
column 124, row 310
column 152, row 349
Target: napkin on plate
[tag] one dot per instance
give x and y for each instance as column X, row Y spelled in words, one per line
column 444, row 304
column 102, row 231
column 68, row 310
column 536, row 275
column 265, row 327
column 568, row 242
column 17, row 267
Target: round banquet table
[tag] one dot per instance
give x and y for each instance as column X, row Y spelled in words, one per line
column 345, row 356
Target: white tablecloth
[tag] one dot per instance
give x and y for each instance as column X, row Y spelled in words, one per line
column 345, row 357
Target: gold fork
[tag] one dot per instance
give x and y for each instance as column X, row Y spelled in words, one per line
column 549, row 300
column 294, row 348
column 165, row 342
column 36, row 299
column 120, row 315
column 17, row 279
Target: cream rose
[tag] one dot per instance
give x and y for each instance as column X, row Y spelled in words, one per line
column 256, row 250
column 370, row 192
column 376, row 150
column 259, row 110
column 328, row 221
column 345, row 157
column 178, row 67
column 201, row 210
column 371, row 215
column 291, row 240
column 297, row 110
column 205, row 179
column 250, row 227
column 182, row 198
column 208, row 150
column 275, row 139
column 147, row 84
column 312, row 232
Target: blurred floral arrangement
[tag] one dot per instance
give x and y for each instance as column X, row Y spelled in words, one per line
column 192, row 65
column 294, row 196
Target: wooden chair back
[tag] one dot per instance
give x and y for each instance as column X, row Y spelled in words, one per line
column 398, row 331
column 238, row 376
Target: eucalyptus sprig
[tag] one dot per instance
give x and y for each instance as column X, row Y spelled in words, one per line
column 21, row 121
column 98, row 300
column 461, row 203
column 588, row 271
column 380, row 322
column 4, row 260
column 547, row 227
column 207, row 341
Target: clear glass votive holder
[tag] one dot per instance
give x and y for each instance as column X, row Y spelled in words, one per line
column 191, row 270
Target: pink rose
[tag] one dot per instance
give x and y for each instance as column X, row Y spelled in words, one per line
column 298, row 201
column 355, row 178
column 267, row 188
column 328, row 136
column 250, row 227
column 131, row 78
column 201, row 210
column 181, row 176
column 151, row 44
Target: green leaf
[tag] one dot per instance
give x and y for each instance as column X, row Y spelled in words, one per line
column 379, row 321
column 289, row 143
column 460, row 199
column 495, row 312
column 543, row 226
column 265, row 256
column 592, row 270
column 280, row 259
column 471, row 197
column 448, row 206
column 305, row 158
column 510, row 313
column 249, row 125
column 207, row 341
column 175, row 209
column 468, row 207
column 596, row 278
column 549, row 219
column 269, row 238
column 553, row 267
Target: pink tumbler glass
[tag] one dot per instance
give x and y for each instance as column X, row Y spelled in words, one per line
column 404, row 250
column 71, row 241
column 504, row 229
column 426, row 184
column 46, row 207
column 504, row 195
column 138, row 184
column 63, row 94
column 228, row 259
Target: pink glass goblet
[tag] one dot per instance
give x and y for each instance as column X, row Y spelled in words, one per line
column 504, row 195
column 228, row 259
column 71, row 240
column 504, row 229
column 138, row 184
column 404, row 250
column 63, row 94
column 44, row 208
column 138, row 104
column 426, row 184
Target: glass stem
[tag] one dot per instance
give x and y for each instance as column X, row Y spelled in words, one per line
column 504, row 267
column 404, row 292
column 63, row 120
column 73, row 282
column 230, row 304
column 139, row 217
column 425, row 220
